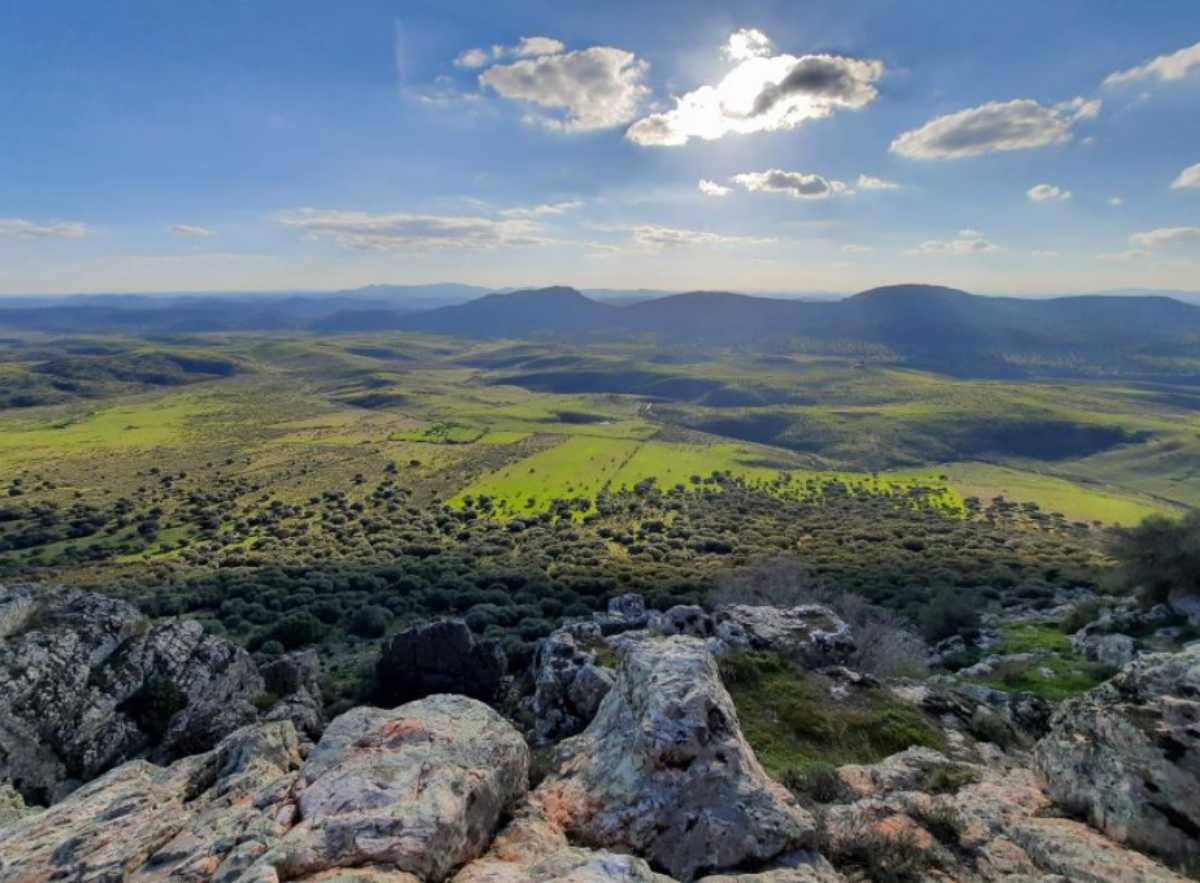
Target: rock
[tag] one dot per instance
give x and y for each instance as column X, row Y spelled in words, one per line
column 1186, row 605
column 631, row 606
column 568, row 686
column 996, row 825
column 683, row 619
column 811, row 635
column 799, row 867
column 87, row 682
column 418, row 789
column 1112, row 650
column 1126, row 755
column 440, row 657
column 141, row 822
column 294, row 679
column 664, row 772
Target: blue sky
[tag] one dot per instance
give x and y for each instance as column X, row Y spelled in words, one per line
column 1012, row 148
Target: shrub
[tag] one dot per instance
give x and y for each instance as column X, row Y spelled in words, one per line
column 819, row 783
column 370, row 621
column 949, row 613
column 297, row 630
column 1158, row 558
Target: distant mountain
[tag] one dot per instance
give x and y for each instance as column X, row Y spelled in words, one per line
column 518, row 314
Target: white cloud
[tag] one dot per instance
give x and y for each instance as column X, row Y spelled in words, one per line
column 1189, row 177
column 1164, row 236
column 593, row 88
column 19, row 228
column 712, row 188
column 1044, row 253
column 762, row 93
column 1116, row 201
column 747, row 43
column 190, row 230
column 654, row 237
column 1175, row 66
column 1047, row 193
column 967, row 242
column 797, row 184
column 1132, row 254
column 528, row 47
column 401, row 231
column 870, row 182
column 548, row 208
column 473, row 58
column 854, row 248
column 1021, row 124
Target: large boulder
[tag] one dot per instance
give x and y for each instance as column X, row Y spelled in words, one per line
column 87, row 682
column 663, row 771
column 418, row 789
column 1126, row 755
column 440, row 657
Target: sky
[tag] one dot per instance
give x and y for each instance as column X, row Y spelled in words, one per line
column 1012, row 148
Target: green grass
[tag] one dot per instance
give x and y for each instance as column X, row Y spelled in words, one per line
column 792, row 724
column 1069, row 674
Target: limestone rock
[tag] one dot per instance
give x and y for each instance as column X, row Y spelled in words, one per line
column 440, row 657
column 664, row 772
column 811, row 635
column 136, row 821
column 87, row 682
column 1112, row 650
column 1127, row 755
column 568, row 686
column 418, row 789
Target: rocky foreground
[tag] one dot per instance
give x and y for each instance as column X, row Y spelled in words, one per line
column 658, row 785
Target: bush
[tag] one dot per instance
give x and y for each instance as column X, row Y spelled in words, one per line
column 1158, row 558
column 949, row 613
column 819, row 783
column 370, row 621
column 297, row 630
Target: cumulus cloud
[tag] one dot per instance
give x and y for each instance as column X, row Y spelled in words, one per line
column 528, row 47
column 712, row 188
column 1047, row 193
column 1189, row 177
column 190, row 230
column 404, row 231
column 1116, row 201
column 1175, row 66
column 1164, row 236
column 654, row 237
column 1021, row 124
column 762, row 93
column 19, row 228
column 797, row 184
column 870, row 182
column 747, row 43
column 590, row 88
column 854, row 248
column 1044, row 253
column 967, row 242
column 546, row 208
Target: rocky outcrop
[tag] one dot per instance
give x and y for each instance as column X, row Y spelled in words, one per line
column 440, row 657
column 87, row 682
column 984, row 823
column 201, row 818
column 664, row 772
column 1126, row 755
column 569, row 682
column 568, row 686
column 402, row 795
column 811, row 635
